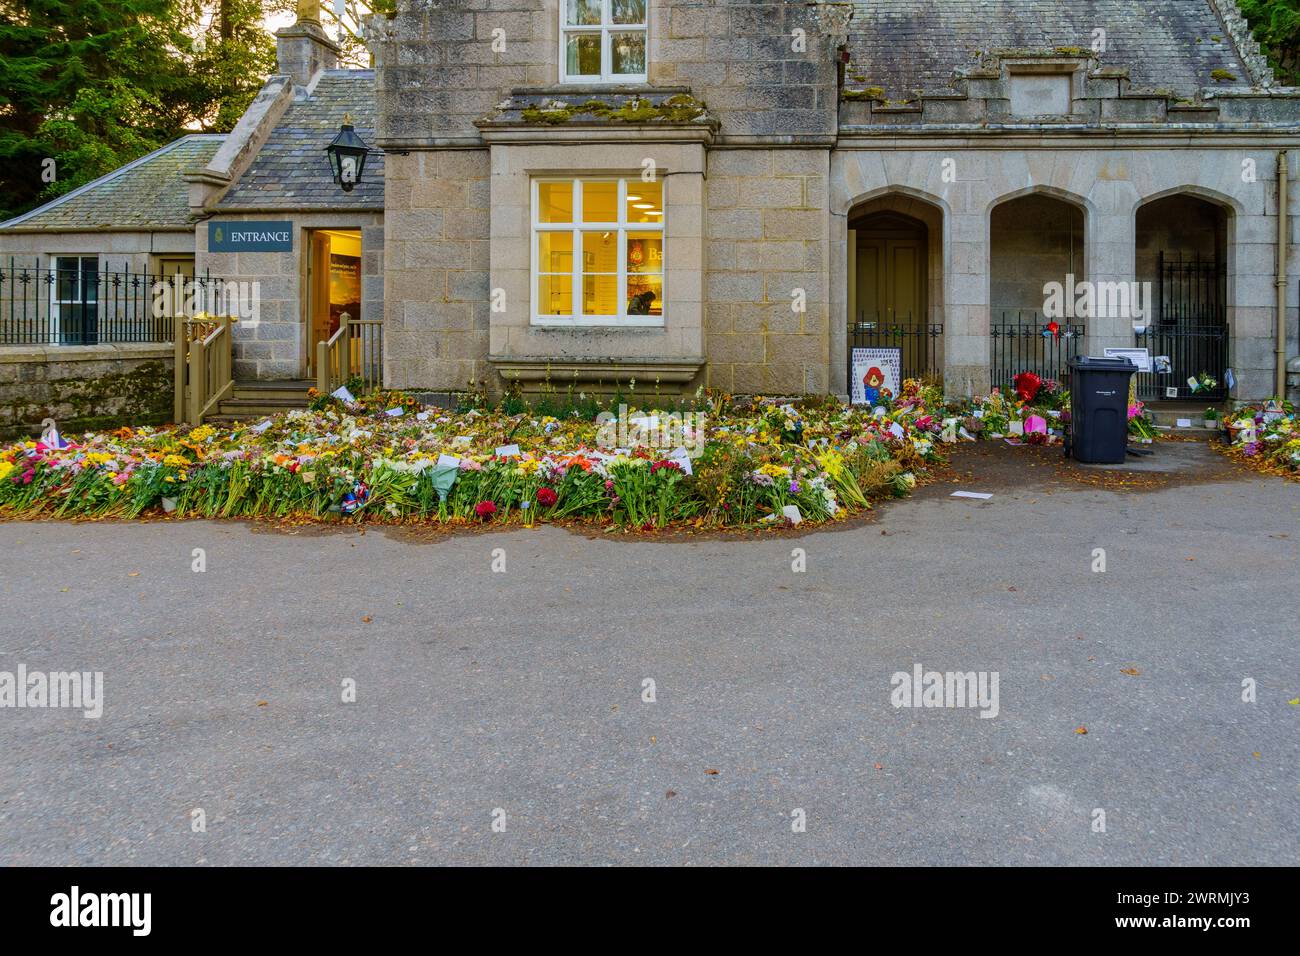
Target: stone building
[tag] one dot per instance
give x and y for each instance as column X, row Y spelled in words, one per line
column 746, row 194
column 908, row 173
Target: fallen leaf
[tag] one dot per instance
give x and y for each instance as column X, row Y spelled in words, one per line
column 711, row 773
column 261, row 703
column 133, row 574
column 1080, row 730
column 670, row 794
column 366, row 619
column 1130, row 671
column 880, row 766
column 1294, row 703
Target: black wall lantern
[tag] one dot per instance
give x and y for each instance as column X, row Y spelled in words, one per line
column 347, row 153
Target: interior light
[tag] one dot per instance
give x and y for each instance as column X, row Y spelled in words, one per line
column 631, row 198
column 643, row 205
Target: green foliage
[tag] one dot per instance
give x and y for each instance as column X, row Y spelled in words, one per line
column 1276, row 25
column 93, row 84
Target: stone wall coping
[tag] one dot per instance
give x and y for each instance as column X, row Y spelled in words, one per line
column 22, row 354
column 533, row 368
column 1056, row 136
column 587, row 133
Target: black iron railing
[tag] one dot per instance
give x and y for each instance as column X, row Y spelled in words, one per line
column 920, row 344
column 77, row 303
column 1189, row 328
column 1027, row 342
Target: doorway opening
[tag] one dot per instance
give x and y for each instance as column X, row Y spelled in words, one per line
column 333, row 285
column 1181, row 249
column 896, row 287
column 1034, row 241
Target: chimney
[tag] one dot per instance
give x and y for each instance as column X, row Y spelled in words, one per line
column 304, row 49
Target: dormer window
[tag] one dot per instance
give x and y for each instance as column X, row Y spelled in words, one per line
column 603, row 41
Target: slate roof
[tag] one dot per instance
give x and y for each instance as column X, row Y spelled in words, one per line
column 291, row 170
column 147, row 194
column 905, row 46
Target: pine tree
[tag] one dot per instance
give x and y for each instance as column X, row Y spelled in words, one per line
column 94, row 84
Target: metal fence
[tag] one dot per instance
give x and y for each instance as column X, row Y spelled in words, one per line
column 1190, row 328
column 919, row 344
column 77, row 303
column 1026, row 342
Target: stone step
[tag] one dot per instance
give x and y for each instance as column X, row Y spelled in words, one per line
column 291, row 391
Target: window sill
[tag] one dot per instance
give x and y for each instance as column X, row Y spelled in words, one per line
column 600, row 322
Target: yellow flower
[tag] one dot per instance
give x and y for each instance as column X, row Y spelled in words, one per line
column 176, row 461
column 99, row 457
column 5, row 468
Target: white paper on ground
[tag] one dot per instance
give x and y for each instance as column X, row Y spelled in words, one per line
column 448, row 461
column 791, row 513
column 507, row 451
column 1184, row 423
column 896, row 430
column 979, row 495
column 343, row 394
column 1016, row 428
column 396, row 412
column 422, row 416
column 262, row 426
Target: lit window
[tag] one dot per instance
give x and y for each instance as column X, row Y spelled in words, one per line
column 598, row 252
column 603, row 41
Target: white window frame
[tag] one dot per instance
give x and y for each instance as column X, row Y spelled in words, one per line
column 577, row 227
column 57, row 304
column 604, row 29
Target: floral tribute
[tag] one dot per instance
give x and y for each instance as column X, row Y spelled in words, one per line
column 386, row 458
column 1265, row 435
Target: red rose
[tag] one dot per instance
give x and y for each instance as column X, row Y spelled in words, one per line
column 1027, row 386
column 546, row 497
column 485, row 509
column 665, row 463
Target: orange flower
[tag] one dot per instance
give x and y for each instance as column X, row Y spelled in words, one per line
column 580, row 462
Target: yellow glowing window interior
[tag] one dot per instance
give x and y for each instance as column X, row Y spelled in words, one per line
column 598, row 251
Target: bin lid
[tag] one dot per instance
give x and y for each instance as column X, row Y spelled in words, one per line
column 1100, row 363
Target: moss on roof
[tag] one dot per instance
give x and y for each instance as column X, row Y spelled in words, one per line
column 148, row 193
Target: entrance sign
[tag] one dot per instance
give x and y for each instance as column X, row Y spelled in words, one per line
column 876, row 375
column 232, row 235
column 1139, row 357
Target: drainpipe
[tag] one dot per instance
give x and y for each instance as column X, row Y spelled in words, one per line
column 1283, row 177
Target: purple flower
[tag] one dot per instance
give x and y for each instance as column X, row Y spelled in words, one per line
column 794, row 487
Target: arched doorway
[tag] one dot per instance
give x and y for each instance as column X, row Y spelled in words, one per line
column 896, row 285
column 1036, row 247
column 1181, row 250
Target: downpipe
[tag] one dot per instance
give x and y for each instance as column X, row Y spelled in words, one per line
column 1283, row 240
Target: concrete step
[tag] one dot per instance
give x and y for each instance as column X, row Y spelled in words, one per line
column 292, row 391
column 244, row 409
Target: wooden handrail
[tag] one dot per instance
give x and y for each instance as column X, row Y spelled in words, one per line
column 355, row 350
column 204, row 368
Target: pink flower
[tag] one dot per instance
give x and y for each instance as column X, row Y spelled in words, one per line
column 485, row 509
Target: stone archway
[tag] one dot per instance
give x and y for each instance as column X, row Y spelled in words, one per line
column 1182, row 249
column 895, row 280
